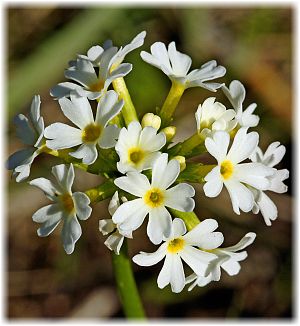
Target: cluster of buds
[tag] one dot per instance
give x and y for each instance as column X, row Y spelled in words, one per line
column 148, row 176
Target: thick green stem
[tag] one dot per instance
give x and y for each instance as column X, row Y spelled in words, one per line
column 170, row 104
column 128, row 111
column 127, row 289
column 189, row 218
column 187, row 147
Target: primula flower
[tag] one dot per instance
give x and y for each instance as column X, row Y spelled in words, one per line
column 106, row 226
column 227, row 258
column 230, row 172
column 30, row 132
column 138, row 148
column 212, row 116
column 236, row 95
column 176, row 66
column 263, row 202
column 180, row 245
column 108, row 61
column 91, row 131
column 66, row 207
column 153, row 199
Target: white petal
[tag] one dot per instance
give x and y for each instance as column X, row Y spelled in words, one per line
column 232, row 267
column 164, row 277
column 268, row 209
column 24, row 130
column 135, row 183
column 20, row 158
column 177, row 275
column 236, row 93
column 129, row 209
column 159, row 224
column 109, row 136
column 276, row 152
column 276, row 181
column 214, row 183
column 178, row 197
column 47, row 186
column 49, row 225
column 163, row 173
column 83, row 73
column 150, row 140
column 246, row 241
column 47, row 212
column 114, row 203
column 149, row 161
column 62, row 136
column 106, row 226
column 149, row 259
column 64, row 176
column 178, row 228
column 70, row 233
column 210, row 241
column 218, row 145
column 87, row 152
column 181, row 63
column 199, row 231
column 114, row 242
column 63, row 89
column 82, row 208
column 243, row 145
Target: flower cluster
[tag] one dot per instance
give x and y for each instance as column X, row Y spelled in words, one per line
column 146, row 174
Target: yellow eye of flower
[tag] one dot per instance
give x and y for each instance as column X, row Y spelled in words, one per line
column 135, row 155
column 175, row 245
column 91, row 133
column 67, row 202
column 154, row 197
column 226, row 169
column 97, row 87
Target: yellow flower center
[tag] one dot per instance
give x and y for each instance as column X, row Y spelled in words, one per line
column 135, row 155
column 67, row 202
column 226, row 169
column 97, row 87
column 175, row 245
column 91, row 133
column 154, row 197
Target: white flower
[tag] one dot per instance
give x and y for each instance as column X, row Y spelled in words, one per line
column 263, row 203
column 227, row 258
column 153, row 199
column 176, row 66
column 91, row 131
column 236, row 95
column 66, row 207
column 233, row 174
column 177, row 247
column 107, row 59
column 212, row 116
column 30, row 132
column 115, row 240
column 138, row 148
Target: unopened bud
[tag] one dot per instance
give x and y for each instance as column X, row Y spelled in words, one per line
column 151, row 120
column 169, row 132
column 181, row 160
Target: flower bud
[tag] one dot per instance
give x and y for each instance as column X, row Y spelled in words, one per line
column 169, row 132
column 151, row 120
column 181, row 160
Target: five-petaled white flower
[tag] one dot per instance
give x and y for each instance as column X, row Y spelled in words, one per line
column 138, row 148
column 91, row 132
column 107, row 60
column 30, row 132
column 236, row 95
column 233, row 174
column 212, row 116
column 154, row 198
column 227, row 258
column 180, row 246
column 263, row 203
column 106, row 226
column 176, row 66
column 67, row 206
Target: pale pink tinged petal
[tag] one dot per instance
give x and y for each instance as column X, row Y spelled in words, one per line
column 218, row 145
column 135, row 183
column 202, row 229
column 87, row 152
column 246, row 241
column 178, row 197
column 150, row 140
column 198, row 260
column 164, row 277
column 243, row 145
column 268, row 209
column 78, row 110
column 178, row 228
column 241, row 197
column 149, row 259
column 159, row 224
column 177, row 276
column 163, row 173
column 62, row 136
column 214, row 183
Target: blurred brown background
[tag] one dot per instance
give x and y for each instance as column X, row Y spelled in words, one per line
column 255, row 45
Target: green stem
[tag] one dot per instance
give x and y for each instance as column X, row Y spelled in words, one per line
column 190, row 218
column 170, row 104
column 195, row 172
column 127, row 289
column 128, row 111
column 186, row 148
column 103, row 191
